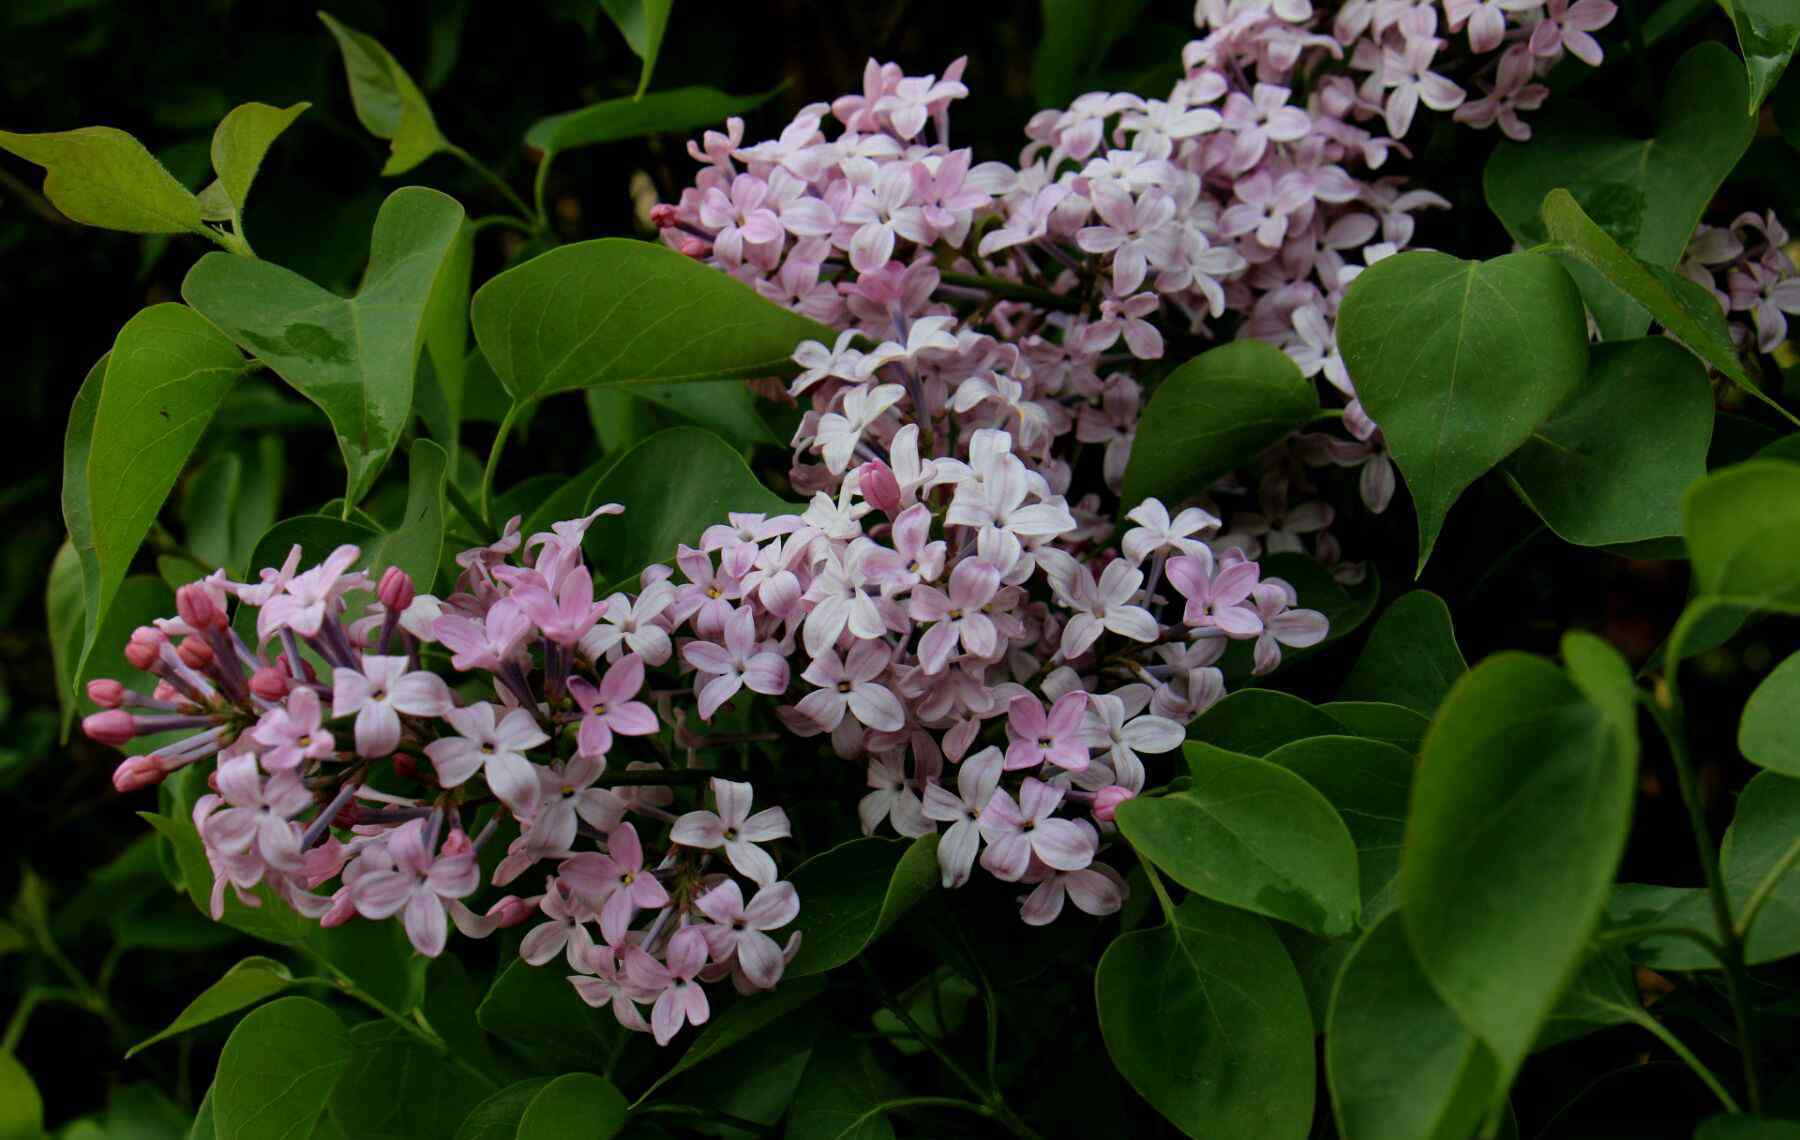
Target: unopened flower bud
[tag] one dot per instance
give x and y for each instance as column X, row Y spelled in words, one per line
column 348, row 816
column 197, row 608
column 406, row 767
column 342, row 911
column 194, row 653
column 137, row 772
column 512, row 910
column 1108, row 799
column 212, row 780
column 663, row 215
column 692, row 246
column 269, row 683
column 168, row 693
column 112, row 728
column 144, row 647
column 307, row 672
column 396, row 589
column 879, row 487
column 457, row 843
column 106, row 692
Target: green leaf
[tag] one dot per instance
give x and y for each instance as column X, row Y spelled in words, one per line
column 673, row 486
column 677, row 111
column 537, row 1008
column 1459, row 361
column 1374, row 720
column 1742, row 526
column 1769, row 733
column 1369, row 783
column 417, row 543
column 1399, row 1063
column 1611, row 465
column 1683, row 308
column 443, row 379
column 642, row 23
column 853, row 893
column 623, row 312
column 245, row 984
column 742, row 1019
column 1748, row 1128
column 277, row 1070
column 497, row 1117
column 1255, row 722
column 1251, row 834
column 164, row 379
column 21, row 1108
column 208, row 503
column 1768, row 32
column 1641, row 904
column 1212, row 415
column 1604, row 994
column 1648, row 194
column 577, row 1104
column 1207, row 1020
column 1520, row 809
column 841, row 1084
column 388, row 103
column 239, row 143
column 396, row 1088
column 64, row 623
column 727, row 407
column 103, row 177
column 1760, row 854
column 141, row 599
column 353, row 357
column 1077, row 35
column 1411, row 657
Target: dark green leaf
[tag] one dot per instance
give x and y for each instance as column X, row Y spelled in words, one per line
column 1207, row 1020
column 1742, row 526
column 536, row 1007
column 245, row 984
column 1769, row 733
column 852, row 893
column 277, row 1070
column 1767, row 31
column 1411, row 657
column 1459, row 361
column 676, row 111
column 1399, row 1063
column 842, row 1083
column 1521, row 804
column 388, row 103
column 622, row 312
column 1611, row 465
column 497, row 1117
column 1759, row 855
column 1255, row 722
column 103, row 177
column 1604, row 994
column 1251, row 834
column 355, row 358
column 1214, row 414
column 577, row 1104
column 1395, row 724
column 742, row 1019
column 1369, row 784
column 1748, row 1128
column 396, row 1088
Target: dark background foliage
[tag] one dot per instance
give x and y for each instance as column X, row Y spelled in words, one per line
column 167, row 73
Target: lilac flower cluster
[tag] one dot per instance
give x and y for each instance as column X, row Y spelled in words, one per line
column 342, row 758
column 1747, row 269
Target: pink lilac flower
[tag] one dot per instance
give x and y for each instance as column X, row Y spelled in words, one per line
column 611, row 707
column 957, row 618
column 680, row 999
column 494, row 744
column 1215, row 597
column 735, row 829
column 1281, row 625
column 616, row 883
column 418, row 886
column 1017, row 831
column 976, row 780
column 892, row 798
column 741, row 931
column 566, row 931
column 1038, row 737
column 567, row 798
column 1097, row 890
column 1567, row 26
column 293, row 733
column 378, row 693
column 255, row 816
column 737, row 664
column 1105, row 606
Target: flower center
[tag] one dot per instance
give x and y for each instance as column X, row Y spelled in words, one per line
column 1046, row 743
column 627, row 878
column 843, row 686
column 731, row 835
column 487, row 748
column 567, row 791
column 712, row 592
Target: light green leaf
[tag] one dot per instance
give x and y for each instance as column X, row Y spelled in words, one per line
column 164, row 379
column 277, row 1070
column 443, row 378
column 1214, row 414
column 1459, row 361
column 1769, row 733
column 1768, row 32
column 353, row 357
column 578, row 1104
column 1648, row 194
column 1251, row 834
column 1369, row 783
column 1521, row 805
column 841, row 1084
column 239, row 143
column 1399, row 1063
column 497, row 1117
column 208, row 504
column 396, row 1088
column 21, row 1108
column 1684, row 309
column 1207, row 1020
column 245, row 984
column 103, row 177
column 677, row 111
column 673, row 486
column 1611, row 464
column 1742, row 526
column 853, row 893
column 623, row 312
column 643, row 24
column 388, row 103
column 741, row 1020
column 727, row 407
column 417, row 543
column 1411, row 657
column 1759, row 857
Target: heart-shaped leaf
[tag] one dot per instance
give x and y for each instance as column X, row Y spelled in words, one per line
column 1611, row 464
column 354, row 357
column 1207, row 1019
column 388, row 103
column 497, row 1117
column 1459, row 361
column 1369, row 783
column 101, row 176
column 277, row 1070
column 396, row 1086
column 1215, row 413
column 1411, row 657
column 1647, row 194
column 855, row 891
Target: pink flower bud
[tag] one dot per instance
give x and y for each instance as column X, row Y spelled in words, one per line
column 143, row 648
column 197, row 608
column 168, row 693
column 342, row 911
column 692, row 246
column 307, row 672
column 512, row 910
column 106, row 692
column 663, row 215
column 879, row 487
column 406, row 767
column 212, row 780
column 112, row 728
column 348, row 816
column 194, row 653
column 1108, row 799
column 457, row 843
column 269, row 683
column 396, row 589
column 137, row 772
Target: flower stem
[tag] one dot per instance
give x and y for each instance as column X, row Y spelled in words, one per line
column 492, row 179
column 415, row 1025
column 1014, row 291
column 1662, row 1033
column 470, row 512
column 1765, row 889
column 493, row 460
